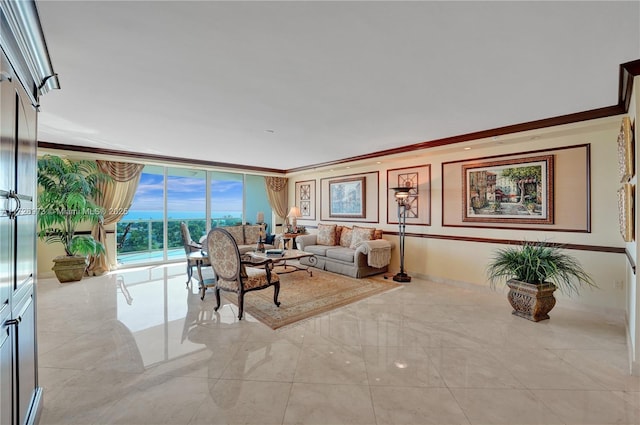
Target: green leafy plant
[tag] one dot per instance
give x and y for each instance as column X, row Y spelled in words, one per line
column 68, row 189
column 538, row 263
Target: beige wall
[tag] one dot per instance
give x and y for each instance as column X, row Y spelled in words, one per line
column 465, row 262
column 47, row 252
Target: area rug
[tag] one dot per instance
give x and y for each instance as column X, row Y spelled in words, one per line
column 303, row 296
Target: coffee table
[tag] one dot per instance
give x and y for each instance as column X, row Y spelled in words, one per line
column 289, row 254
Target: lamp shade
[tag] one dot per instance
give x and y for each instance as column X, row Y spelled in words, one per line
column 401, row 193
column 294, row 212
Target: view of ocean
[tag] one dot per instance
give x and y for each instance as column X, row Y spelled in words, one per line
column 176, row 215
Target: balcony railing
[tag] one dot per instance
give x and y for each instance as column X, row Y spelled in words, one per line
column 144, row 241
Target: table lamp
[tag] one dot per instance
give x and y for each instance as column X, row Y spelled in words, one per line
column 294, row 213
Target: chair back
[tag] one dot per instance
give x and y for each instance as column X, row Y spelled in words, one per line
column 186, row 239
column 223, row 254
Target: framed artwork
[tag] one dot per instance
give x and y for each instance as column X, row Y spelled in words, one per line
column 625, row 151
column 419, row 201
column 347, row 198
column 625, row 211
column 512, row 190
column 350, row 198
column 306, row 199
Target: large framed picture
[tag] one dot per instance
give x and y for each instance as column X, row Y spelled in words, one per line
column 347, row 198
column 625, row 211
column 516, row 190
column 306, row 199
column 625, row 151
column 419, row 201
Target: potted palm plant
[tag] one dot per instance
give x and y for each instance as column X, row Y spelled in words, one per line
column 65, row 201
column 533, row 271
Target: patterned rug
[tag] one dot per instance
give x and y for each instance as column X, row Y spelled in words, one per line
column 303, row 296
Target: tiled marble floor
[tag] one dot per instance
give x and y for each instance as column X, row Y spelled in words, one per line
column 137, row 347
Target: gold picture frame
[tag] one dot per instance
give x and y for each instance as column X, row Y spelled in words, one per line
column 625, row 151
column 518, row 190
column 625, row 212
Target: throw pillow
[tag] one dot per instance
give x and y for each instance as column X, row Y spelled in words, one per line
column 237, row 232
column 252, row 234
column 345, row 237
column 377, row 234
column 326, row 234
column 361, row 234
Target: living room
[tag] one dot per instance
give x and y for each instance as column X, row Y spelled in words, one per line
column 438, row 349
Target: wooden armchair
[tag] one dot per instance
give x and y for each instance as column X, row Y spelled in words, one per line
column 235, row 275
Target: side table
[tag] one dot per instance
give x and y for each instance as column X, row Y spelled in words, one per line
column 291, row 236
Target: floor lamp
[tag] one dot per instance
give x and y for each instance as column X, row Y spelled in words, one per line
column 402, row 196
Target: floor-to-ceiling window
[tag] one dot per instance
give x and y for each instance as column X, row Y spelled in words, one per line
column 226, row 197
column 140, row 233
column 186, row 202
column 167, row 196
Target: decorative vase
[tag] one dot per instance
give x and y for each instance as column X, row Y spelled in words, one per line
column 532, row 302
column 69, row 268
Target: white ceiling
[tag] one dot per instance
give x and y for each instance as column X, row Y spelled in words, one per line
column 290, row 84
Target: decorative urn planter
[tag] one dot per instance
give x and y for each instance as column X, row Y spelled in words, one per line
column 69, row 268
column 532, row 302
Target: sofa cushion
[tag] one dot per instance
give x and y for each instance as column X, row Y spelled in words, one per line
column 252, row 233
column 342, row 254
column 345, row 237
column 361, row 234
column 237, row 232
column 326, row 234
column 320, row 250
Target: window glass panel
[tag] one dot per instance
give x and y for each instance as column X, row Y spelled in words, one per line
column 143, row 240
column 226, row 198
column 186, row 201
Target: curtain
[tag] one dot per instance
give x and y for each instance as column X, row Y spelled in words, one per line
column 277, row 194
column 116, row 197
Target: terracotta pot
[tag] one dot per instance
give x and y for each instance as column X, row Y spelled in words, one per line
column 533, row 302
column 69, row 269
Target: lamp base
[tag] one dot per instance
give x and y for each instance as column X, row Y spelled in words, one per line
column 402, row 277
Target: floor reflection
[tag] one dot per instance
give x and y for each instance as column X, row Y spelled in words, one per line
column 140, row 347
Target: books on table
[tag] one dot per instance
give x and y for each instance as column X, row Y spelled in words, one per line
column 274, row 252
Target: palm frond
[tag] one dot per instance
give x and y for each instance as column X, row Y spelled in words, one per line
column 538, row 263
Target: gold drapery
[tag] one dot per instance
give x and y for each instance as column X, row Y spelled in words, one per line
column 277, row 194
column 116, row 197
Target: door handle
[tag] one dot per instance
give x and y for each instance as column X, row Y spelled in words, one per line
column 13, row 195
column 13, row 321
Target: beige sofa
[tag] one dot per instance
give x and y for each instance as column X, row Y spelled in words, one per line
column 246, row 236
column 356, row 252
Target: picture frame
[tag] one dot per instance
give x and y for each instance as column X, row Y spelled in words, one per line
column 419, row 200
column 518, row 190
column 625, row 151
column 306, row 199
column 625, row 212
column 347, row 197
